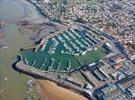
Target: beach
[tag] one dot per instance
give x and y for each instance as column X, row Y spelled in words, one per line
column 50, row 91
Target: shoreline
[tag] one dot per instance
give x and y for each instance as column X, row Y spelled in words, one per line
column 43, row 15
column 43, row 84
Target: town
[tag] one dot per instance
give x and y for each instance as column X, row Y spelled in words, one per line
column 114, row 18
column 94, row 55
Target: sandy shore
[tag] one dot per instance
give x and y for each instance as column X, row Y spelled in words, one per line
column 51, row 91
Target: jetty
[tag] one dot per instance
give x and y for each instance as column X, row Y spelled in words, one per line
column 20, row 66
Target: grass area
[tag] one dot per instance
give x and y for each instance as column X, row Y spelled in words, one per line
column 93, row 56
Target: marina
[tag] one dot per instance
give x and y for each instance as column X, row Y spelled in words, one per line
column 65, row 52
column 69, row 50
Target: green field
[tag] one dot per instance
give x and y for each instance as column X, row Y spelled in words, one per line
column 93, row 56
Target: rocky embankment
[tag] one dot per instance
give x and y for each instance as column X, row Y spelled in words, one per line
column 2, row 35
